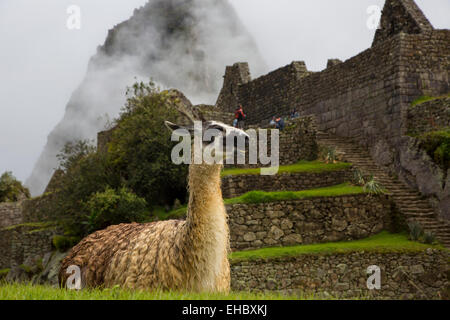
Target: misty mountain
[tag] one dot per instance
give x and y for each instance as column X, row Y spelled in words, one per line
column 183, row 44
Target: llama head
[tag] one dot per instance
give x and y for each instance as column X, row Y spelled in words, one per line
column 223, row 140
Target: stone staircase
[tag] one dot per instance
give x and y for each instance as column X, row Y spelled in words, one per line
column 410, row 202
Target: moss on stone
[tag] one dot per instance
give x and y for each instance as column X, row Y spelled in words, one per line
column 423, row 99
column 437, row 146
column 35, row 225
column 63, row 243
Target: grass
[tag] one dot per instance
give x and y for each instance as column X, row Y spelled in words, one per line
column 36, row 225
column 423, row 99
column 383, row 242
column 264, row 197
column 302, row 166
column 4, row 273
column 160, row 214
column 15, row 291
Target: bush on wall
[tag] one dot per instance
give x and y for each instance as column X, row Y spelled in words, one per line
column 11, row 189
column 437, row 146
column 113, row 207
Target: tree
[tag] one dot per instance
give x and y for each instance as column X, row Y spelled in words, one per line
column 136, row 172
column 11, row 189
column 140, row 148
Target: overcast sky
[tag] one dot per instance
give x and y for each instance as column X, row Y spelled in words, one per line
column 42, row 61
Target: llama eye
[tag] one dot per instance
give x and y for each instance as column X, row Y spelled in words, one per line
column 221, row 129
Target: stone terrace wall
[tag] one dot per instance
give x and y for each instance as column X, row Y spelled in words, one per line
column 307, row 221
column 234, row 186
column 421, row 275
column 10, row 213
column 429, row 116
column 23, row 242
column 19, row 238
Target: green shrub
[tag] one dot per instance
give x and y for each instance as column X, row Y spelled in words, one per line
column 64, row 243
column 415, row 231
column 91, row 173
column 137, row 158
column 429, row 237
column 11, row 189
column 113, row 207
column 437, row 146
column 328, row 154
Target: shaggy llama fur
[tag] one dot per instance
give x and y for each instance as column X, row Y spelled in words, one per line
column 190, row 255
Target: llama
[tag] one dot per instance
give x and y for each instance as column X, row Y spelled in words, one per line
column 190, row 255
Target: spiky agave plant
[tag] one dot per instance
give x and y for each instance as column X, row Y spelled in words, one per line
column 358, row 177
column 373, row 187
column 415, row 231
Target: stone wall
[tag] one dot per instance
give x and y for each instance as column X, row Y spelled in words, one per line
column 429, row 116
column 274, row 94
column 419, row 275
column 366, row 98
column 234, row 186
column 22, row 242
column 315, row 220
column 296, row 142
column 235, row 75
column 401, row 16
column 10, row 213
column 216, row 114
column 22, row 234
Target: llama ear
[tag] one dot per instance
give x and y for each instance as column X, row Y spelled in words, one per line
column 171, row 126
column 180, row 130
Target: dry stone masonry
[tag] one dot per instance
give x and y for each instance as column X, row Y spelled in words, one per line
column 10, row 213
column 429, row 116
column 307, row 221
column 420, row 275
column 234, row 186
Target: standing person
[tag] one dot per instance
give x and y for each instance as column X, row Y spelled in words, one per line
column 240, row 116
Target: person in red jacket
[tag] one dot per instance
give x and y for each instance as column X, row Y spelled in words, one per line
column 239, row 115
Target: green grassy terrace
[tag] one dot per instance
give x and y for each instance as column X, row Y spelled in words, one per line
column 17, row 291
column 383, row 242
column 274, row 196
column 423, row 99
column 302, row 166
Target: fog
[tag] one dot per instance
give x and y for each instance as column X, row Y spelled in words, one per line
column 42, row 62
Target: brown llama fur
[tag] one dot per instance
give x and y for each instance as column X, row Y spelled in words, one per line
column 190, row 255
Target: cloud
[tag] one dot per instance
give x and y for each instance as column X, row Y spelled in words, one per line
column 179, row 44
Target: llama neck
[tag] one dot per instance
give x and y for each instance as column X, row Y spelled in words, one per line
column 206, row 207
column 207, row 234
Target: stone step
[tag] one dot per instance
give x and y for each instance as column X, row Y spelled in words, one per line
column 409, row 201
